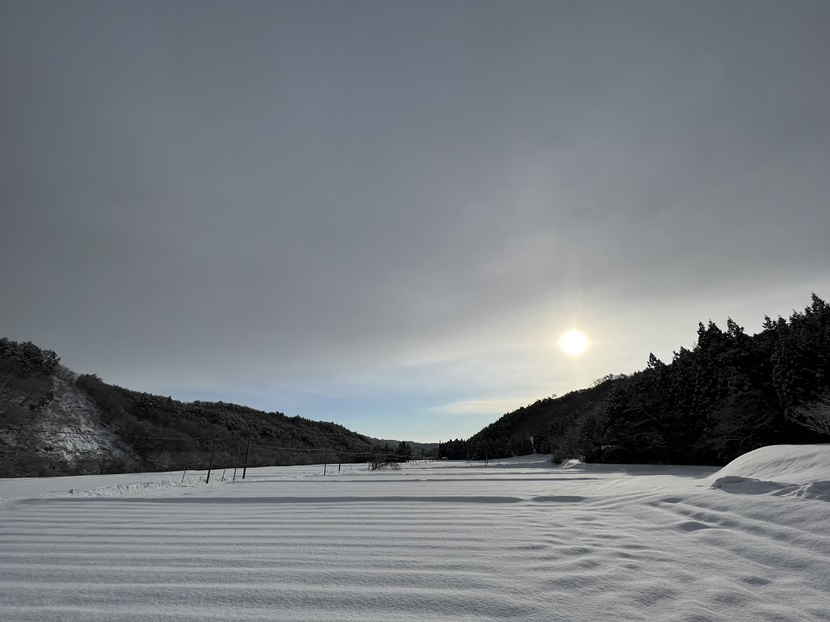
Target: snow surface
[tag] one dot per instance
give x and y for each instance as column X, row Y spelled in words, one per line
column 517, row 540
column 788, row 470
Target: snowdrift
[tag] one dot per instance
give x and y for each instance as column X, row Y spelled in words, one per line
column 783, row 470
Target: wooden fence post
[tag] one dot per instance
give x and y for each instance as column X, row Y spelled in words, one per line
column 210, row 465
column 245, row 468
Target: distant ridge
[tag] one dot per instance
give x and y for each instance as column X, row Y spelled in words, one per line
column 53, row 422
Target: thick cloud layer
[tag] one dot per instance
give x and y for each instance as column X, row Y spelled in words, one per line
column 386, row 213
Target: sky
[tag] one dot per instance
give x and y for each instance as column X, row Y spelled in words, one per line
column 385, row 213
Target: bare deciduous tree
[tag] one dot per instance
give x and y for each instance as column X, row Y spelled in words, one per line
column 814, row 416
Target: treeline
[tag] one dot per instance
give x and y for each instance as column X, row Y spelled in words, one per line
column 25, row 389
column 730, row 394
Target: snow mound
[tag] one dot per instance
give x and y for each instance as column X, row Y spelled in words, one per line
column 781, row 470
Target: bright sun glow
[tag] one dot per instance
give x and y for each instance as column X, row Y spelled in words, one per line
column 573, row 342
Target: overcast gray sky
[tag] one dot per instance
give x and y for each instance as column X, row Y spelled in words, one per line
column 385, row 214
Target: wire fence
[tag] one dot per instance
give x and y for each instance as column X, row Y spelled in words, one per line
column 83, row 451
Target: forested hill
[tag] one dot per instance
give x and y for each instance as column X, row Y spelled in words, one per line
column 730, row 394
column 53, row 422
column 549, row 425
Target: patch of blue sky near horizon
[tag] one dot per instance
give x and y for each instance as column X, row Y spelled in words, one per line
column 412, row 416
column 423, row 400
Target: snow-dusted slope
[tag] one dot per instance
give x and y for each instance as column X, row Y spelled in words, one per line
column 522, row 540
column 70, row 428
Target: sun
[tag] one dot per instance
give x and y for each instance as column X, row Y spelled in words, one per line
column 573, row 342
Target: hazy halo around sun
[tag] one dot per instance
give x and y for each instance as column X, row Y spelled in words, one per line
column 573, row 342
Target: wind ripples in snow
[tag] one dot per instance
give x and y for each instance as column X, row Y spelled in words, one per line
column 612, row 546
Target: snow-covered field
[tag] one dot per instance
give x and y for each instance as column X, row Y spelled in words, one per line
column 520, row 540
